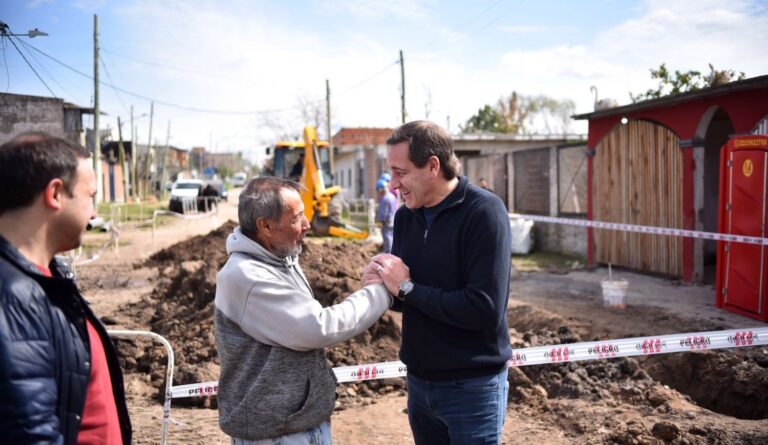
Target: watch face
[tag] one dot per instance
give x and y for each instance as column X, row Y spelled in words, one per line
column 406, row 286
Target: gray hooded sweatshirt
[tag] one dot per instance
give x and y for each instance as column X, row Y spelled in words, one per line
column 270, row 334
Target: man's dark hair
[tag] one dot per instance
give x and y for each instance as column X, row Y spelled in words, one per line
column 261, row 199
column 30, row 161
column 426, row 139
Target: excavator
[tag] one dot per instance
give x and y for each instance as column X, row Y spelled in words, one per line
column 308, row 163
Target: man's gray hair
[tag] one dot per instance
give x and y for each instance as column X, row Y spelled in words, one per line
column 261, row 199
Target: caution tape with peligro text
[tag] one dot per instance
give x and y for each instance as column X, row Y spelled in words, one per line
column 543, row 355
column 645, row 229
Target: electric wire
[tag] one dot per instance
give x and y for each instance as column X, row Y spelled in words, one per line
column 171, row 67
column 158, row 101
column 117, row 93
column 464, row 36
column 368, row 79
column 108, row 59
column 31, row 67
column 204, row 73
column 198, row 109
column 460, row 27
column 44, row 70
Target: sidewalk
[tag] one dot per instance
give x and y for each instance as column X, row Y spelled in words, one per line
column 577, row 294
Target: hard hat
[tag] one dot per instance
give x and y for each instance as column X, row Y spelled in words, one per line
column 381, row 184
column 385, row 176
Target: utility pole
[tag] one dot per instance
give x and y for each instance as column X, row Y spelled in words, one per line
column 96, row 138
column 121, row 158
column 134, row 155
column 148, row 163
column 328, row 125
column 402, row 88
column 164, row 159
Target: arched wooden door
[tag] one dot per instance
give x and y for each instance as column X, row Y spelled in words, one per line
column 637, row 179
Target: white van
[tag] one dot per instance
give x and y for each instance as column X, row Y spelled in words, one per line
column 238, row 179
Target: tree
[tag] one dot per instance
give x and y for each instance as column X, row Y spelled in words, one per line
column 522, row 114
column 288, row 124
column 486, row 119
column 682, row 82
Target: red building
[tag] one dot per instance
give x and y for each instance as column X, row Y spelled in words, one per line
column 657, row 163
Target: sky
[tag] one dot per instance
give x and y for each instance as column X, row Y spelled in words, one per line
column 232, row 75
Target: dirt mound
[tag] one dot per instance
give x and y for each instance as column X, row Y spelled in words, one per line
column 181, row 309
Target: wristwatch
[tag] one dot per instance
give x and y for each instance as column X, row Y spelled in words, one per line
column 406, row 286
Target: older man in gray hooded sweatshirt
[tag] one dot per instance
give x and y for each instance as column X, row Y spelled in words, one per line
column 276, row 385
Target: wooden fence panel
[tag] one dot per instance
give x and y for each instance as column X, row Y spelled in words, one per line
column 638, row 179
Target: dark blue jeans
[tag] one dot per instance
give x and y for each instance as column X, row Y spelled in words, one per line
column 467, row 411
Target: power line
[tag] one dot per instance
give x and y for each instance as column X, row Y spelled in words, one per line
column 30, row 65
column 158, row 101
column 368, row 79
column 482, row 28
column 171, row 67
column 460, row 27
column 51, row 76
column 117, row 93
column 195, row 109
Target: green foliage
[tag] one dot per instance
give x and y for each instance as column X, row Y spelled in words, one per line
column 522, row 114
column 486, row 119
column 682, row 82
column 224, row 172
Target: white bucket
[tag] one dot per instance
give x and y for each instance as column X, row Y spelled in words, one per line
column 614, row 293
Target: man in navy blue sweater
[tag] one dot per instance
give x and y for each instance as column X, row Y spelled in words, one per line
column 449, row 270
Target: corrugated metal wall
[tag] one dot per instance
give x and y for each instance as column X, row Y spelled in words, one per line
column 761, row 127
column 532, row 181
column 638, row 179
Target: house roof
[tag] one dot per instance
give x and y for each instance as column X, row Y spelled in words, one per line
column 84, row 110
column 65, row 105
column 142, row 148
column 506, row 137
column 362, row 136
column 674, row 99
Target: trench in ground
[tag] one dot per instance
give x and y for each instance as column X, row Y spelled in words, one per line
column 732, row 382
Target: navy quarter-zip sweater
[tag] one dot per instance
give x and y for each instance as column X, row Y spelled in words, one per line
column 455, row 318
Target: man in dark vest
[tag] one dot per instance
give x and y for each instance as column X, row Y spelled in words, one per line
column 59, row 376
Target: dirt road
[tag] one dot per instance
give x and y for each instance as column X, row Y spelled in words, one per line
column 714, row 397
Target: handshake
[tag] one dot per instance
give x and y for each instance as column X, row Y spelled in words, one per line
column 388, row 270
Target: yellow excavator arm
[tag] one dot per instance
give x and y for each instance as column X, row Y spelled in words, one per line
column 317, row 196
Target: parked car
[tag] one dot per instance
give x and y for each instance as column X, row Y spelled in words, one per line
column 238, row 179
column 183, row 190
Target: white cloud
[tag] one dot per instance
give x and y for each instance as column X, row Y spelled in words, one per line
column 269, row 63
column 683, row 34
column 407, row 9
column 526, row 29
column 562, row 60
column 88, row 5
column 32, row 4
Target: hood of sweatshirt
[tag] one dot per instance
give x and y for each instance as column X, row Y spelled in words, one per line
column 239, row 243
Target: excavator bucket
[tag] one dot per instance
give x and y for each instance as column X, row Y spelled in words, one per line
column 348, row 232
column 327, row 226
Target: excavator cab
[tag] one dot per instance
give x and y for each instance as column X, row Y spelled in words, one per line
column 289, row 159
column 308, row 163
